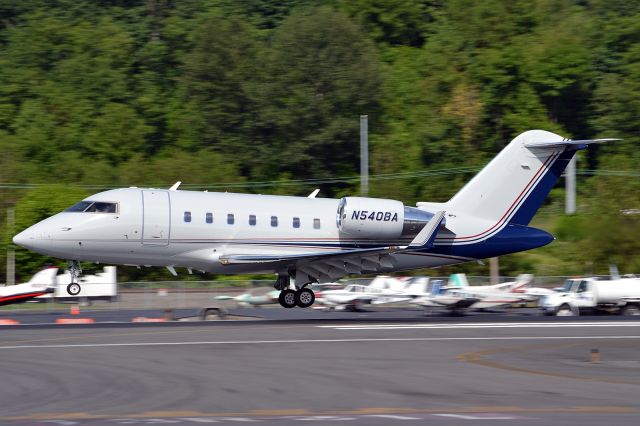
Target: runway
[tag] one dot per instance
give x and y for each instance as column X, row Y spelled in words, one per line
column 359, row 372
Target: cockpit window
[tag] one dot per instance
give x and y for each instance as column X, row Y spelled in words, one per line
column 94, row 207
column 79, row 207
column 100, row 207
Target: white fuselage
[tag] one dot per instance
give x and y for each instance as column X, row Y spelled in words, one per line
column 157, row 227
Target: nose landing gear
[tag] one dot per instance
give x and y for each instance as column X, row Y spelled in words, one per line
column 74, row 270
column 289, row 298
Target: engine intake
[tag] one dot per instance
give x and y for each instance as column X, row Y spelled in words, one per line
column 379, row 218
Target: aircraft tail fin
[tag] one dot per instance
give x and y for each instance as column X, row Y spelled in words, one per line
column 417, row 286
column 46, row 276
column 515, row 183
column 458, row 280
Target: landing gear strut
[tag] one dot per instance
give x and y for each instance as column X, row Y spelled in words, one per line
column 74, row 270
column 290, row 298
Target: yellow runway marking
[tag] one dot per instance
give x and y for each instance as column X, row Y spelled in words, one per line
column 303, row 412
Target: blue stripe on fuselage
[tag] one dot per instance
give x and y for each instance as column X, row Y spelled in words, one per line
column 530, row 206
column 511, row 239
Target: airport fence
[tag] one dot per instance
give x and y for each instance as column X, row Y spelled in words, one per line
column 174, row 295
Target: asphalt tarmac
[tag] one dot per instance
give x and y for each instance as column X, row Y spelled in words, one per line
column 368, row 372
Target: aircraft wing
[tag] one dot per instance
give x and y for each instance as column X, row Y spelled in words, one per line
column 324, row 267
column 329, row 266
column 252, row 258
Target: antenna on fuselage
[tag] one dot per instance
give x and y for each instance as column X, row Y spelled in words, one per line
column 175, row 186
column 314, row 193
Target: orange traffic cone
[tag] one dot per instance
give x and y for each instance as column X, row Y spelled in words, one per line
column 75, row 310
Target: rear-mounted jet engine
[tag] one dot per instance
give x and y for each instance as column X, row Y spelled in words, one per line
column 378, row 218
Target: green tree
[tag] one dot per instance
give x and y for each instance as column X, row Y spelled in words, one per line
column 320, row 74
column 213, row 107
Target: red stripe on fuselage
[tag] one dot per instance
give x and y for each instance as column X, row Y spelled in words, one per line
column 517, row 200
column 25, row 296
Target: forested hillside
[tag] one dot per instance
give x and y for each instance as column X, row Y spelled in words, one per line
column 264, row 96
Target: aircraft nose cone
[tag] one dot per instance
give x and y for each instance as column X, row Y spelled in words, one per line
column 22, row 239
column 31, row 238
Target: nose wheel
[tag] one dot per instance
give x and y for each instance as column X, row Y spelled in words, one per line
column 74, row 270
column 302, row 298
column 73, row 289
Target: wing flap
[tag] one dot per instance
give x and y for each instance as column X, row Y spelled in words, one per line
column 229, row 259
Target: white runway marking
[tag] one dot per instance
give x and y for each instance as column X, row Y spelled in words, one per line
column 305, row 341
column 476, row 417
column 481, row 325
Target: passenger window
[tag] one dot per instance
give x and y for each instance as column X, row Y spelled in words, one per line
column 274, row 220
column 316, row 223
column 296, row 222
column 252, row 220
column 99, row 207
column 187, row 216
column 230, row 219
column 209, row 218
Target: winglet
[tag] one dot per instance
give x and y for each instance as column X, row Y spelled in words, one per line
column 427, row 235
column 175, row 186
column 314, row 193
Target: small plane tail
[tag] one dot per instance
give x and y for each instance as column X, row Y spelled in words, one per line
column 417, row 286
column 521, row 283
column 458, row 280
column 46, row 276
column 515, row 183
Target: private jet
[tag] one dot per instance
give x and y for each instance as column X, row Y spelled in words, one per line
column 307, row 239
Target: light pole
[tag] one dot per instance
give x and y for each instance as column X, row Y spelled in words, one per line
column 364, row 155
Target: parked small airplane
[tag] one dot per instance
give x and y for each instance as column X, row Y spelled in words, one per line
column 458, row 295
column 44, row 285
column 354, row 296
column 43, row 282
column 490, row 296
column 306, row 240
column 451, row 299
column 252, row 299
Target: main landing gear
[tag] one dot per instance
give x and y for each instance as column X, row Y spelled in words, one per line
column 302, row 298
column 74, row 270
column 290, row 298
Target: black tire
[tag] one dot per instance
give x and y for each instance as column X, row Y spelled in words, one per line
column 208, row 312
column 305, row 298
column 630, row 310
column 287, row 298
column 73, row 289
column 565, row 311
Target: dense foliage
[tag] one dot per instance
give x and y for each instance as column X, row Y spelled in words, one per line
column 224, row 94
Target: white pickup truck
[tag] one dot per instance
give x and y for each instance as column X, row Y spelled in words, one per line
column 583, row 295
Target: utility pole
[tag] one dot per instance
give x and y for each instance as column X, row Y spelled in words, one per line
column 494, row 270
column 11, row 254
column 570, row 187
column 364, row 155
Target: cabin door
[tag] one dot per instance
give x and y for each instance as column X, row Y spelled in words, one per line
column 156, row 220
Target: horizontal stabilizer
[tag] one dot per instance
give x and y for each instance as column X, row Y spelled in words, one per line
column 568, row 142
column 427, row 235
